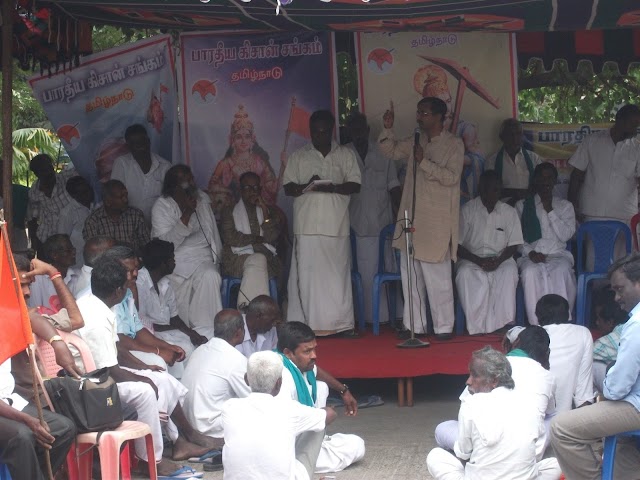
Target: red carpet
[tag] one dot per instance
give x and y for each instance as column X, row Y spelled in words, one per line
column 378, row 357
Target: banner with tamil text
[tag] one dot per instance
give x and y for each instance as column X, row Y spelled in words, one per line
column 91, row 106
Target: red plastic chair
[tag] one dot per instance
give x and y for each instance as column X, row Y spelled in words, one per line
column 80, row 458
column 634, row 230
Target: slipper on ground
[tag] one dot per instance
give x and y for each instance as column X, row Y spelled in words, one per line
column 208, row 457
column 183, row 472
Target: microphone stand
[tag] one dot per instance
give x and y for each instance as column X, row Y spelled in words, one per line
column 408, row 229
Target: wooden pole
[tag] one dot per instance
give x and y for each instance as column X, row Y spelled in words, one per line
column 7, row 109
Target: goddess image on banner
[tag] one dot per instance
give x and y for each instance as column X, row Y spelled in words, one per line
column 92, row 105
column 247, row 102
column 474, row 74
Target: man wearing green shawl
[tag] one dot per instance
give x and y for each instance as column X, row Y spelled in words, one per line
column 304, row 381
column 548, row 222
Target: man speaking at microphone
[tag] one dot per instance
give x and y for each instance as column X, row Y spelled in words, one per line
column 435, row 160
column 249, row 231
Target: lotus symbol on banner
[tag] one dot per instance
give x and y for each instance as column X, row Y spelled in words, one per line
column 204, row 91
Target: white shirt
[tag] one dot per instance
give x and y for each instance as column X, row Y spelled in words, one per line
column 144, row 188
column 71, row 222
column 155, row 308
column 100, row 331
column 264, row 341
column 571, row 361
column 497, row 433
column 260, row 433
column 316, row 213
column 556, row 227
column 288, row 388
column 370, row 209
column 7, row 384
column 194, row 243
column 83, row 282
column 214, row 374
column 515, row 173
column 44, row 294
column 610, row 188
column 488, row 234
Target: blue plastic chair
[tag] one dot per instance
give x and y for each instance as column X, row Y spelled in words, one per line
column 356, row 282
column 229, row 283
column 609, row 453
column 4, row 472
column 382, row 277
column 603, row 235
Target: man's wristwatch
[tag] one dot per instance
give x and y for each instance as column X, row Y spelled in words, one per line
column 55, row 338
column 345, row 389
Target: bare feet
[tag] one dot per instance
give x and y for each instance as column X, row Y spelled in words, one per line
column 183, row 449
column 203, row 440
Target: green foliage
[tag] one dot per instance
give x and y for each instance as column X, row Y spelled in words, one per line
column 27, row 143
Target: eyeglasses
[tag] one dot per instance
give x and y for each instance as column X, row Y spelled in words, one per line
column 423, row 114
column 255, row 188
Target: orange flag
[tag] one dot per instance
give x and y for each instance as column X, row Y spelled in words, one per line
column 14, row 319
column 299, row 121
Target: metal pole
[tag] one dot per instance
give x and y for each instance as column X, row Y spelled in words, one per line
column 7, row 110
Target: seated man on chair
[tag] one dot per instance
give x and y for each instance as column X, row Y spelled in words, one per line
column 548, row 222
column 486, row 273
column 249, row 232
column 497, row 429
column 94, row 247
column 305, row 382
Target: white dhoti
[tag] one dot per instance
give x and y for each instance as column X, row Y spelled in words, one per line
column 432, row 281
column 179, row 339
column 170, row 393
column 320, row 292
column 443, row 465
column 198, row 297
column 488, row 298
column 539, row 279
column 255, row 279
column 141, row 396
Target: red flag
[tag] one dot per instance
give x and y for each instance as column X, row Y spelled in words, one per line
column 299, row 121
column 14, row 319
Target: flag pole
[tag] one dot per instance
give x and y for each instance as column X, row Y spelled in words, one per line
column 31, row 348
column 287, row 133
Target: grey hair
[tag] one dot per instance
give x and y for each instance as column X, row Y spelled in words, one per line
column 263, row 371
column 491, row 363
column 508, row 123
column 226, row 323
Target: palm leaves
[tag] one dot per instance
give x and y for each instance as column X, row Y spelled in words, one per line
column 29, row 142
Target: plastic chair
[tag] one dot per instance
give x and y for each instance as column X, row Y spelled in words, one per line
column 80, row 459
column 603, row 235
column 356, row 281
column 4, row 472
column 634, row 230
column 609, row 453
column 382, row 277
column 229, row 283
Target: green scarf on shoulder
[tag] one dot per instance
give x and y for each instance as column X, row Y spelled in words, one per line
column 301, row 384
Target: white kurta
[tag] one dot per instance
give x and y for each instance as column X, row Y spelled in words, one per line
column 320, row 278
column 264, row 341
column 556, row 274
column 71, row 222
column 571, row 361
column 497, row 436
column 82, row 284
column 196, row 279
column 144, row 188
column 488, row 298
column 260, row 433
column 214, row 375
column 515, row 173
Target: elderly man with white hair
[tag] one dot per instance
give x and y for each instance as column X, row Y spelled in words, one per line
column 260, row 430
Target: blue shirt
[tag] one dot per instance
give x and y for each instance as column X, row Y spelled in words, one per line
column 127, row 318
column 623, row 379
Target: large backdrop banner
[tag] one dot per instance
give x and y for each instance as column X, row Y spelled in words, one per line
column 247, row 102
column 91, row 106
column 474, row 73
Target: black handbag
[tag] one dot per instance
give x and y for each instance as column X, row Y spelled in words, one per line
column 92, row 402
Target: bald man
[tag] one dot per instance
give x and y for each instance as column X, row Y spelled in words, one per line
column 263, row 314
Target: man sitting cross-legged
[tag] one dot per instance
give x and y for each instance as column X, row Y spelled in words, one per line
column 486, row 273
column 262, row 315
column 305, row 382
column 153, row 393
column 260, row 430
column 497, row 429
column 157, row 303
column 215, row 374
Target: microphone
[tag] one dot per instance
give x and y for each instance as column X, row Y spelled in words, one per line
column 416, row 137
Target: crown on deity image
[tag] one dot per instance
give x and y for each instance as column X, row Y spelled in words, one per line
column 241, row 121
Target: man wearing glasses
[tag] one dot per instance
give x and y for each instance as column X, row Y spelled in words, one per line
column 249, row 232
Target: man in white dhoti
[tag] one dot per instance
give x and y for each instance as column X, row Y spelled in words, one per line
column 436, row 159
column 183, row 216
column 260, row 321
column 548, row 222
column 157, row 304
column 305, row 382
column 486, row 273
column 94, row 247
column 153, row 393
column 320, row 279
column 372, row 208
column 260, row 430
column 497, row 429
column 216, row 374
column 249, row 232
